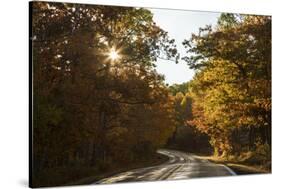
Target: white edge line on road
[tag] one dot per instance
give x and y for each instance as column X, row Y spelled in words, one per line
column 229, row 170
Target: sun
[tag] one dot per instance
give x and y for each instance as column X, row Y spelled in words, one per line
column 113, row 54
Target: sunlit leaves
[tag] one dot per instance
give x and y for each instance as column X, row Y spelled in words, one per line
column 232, row 86
column 95, row 86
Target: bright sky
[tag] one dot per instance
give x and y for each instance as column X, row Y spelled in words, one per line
column 180, row 25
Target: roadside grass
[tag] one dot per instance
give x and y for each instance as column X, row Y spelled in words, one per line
column 241, row 169
column 243, row 164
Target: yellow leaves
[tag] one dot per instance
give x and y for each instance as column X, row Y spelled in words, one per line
column 232, row 86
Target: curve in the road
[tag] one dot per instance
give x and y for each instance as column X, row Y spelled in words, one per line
column 181, row 165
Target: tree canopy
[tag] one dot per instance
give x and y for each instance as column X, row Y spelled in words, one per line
column 106, row 107
column 99, row 103
column 232, row 87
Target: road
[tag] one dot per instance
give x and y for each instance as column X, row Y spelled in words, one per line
column 181, row 165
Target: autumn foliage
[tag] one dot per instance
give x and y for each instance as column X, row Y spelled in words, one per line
column 91, row 110
column 231, row 90
column 100, row 105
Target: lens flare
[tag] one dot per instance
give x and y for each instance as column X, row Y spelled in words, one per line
column 113, row 54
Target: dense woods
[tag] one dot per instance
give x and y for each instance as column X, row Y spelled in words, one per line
column 186, row 137
column 100, row 105
column 231, row 91
column 91, row 109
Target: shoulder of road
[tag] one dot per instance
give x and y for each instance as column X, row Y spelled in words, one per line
column 238, row 167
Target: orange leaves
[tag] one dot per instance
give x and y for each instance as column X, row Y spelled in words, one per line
column 232, row 87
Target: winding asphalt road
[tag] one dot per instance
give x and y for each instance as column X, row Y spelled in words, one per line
column 181, row 165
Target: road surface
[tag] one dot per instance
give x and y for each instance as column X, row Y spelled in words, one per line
column 181, row 165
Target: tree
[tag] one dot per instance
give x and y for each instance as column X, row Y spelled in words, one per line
column 232, row 87
column 95, row 103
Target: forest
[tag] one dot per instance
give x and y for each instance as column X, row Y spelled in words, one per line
column 99, row 105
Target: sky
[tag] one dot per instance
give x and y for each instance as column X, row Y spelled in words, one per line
column 180, row 25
